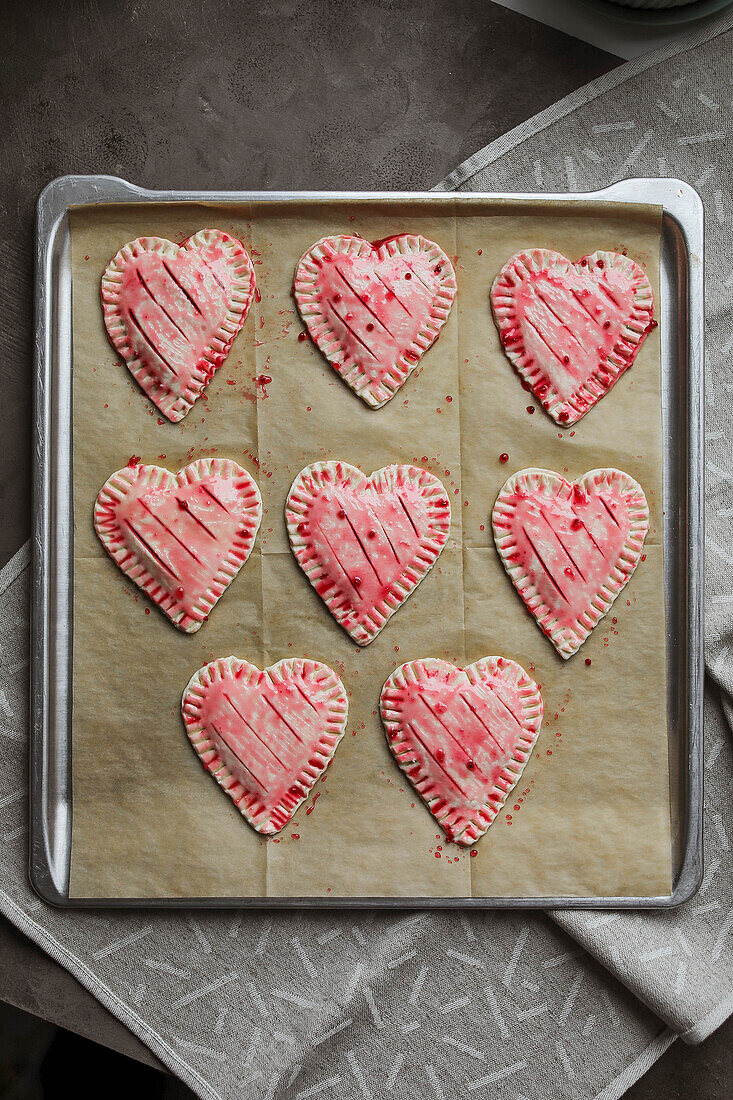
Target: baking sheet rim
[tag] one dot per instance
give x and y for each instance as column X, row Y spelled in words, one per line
column 50, row 815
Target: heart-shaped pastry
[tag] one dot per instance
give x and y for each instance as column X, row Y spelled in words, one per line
column 570, row 547
column 462, row 736
column 365, row 543
column 172, row 312
column 266, row 737
column 571, row 330
column 181, row 537
column 374, row 309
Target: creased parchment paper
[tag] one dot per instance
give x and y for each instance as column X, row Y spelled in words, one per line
column 591, row 813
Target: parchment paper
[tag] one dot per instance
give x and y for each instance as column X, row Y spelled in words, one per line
column 591, row 813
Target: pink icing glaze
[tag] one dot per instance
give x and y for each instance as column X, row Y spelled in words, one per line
column 570, row 548
column 181, row 537
column 172, row 312
column 462, row 737
column 571, row 330
column 373, row 310
column 365, row 543
column 265, row 736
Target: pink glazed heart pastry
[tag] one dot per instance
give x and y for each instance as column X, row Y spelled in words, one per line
column 365, row 543
column 172, row 312
column 462, row 736
column 374, row 309
column 266, row 737
column 181, row 537
column 571, row 330
column 570, row 547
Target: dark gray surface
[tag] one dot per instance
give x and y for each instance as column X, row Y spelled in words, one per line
column 33, row 982
column 250, row 95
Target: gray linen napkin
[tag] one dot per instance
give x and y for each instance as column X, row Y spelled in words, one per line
column 295, row 1005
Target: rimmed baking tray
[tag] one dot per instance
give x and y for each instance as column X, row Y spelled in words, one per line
column 682, row 333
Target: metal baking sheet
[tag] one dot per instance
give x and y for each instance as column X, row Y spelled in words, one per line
column 682, row 334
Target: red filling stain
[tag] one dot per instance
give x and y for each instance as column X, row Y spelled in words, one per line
column 311, row 808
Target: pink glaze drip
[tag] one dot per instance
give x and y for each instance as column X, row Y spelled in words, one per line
column 367, row 540
column 567, row 543
column 454, row 737
column 182, row 532
column 377, row 307
column 266, row 736
column 172, row 312
column 566, row 326
column 266, row 732
column 563, row 323
column 374, row 310
column 173, row 307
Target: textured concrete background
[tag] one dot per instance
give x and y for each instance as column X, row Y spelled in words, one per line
column 224, row 94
